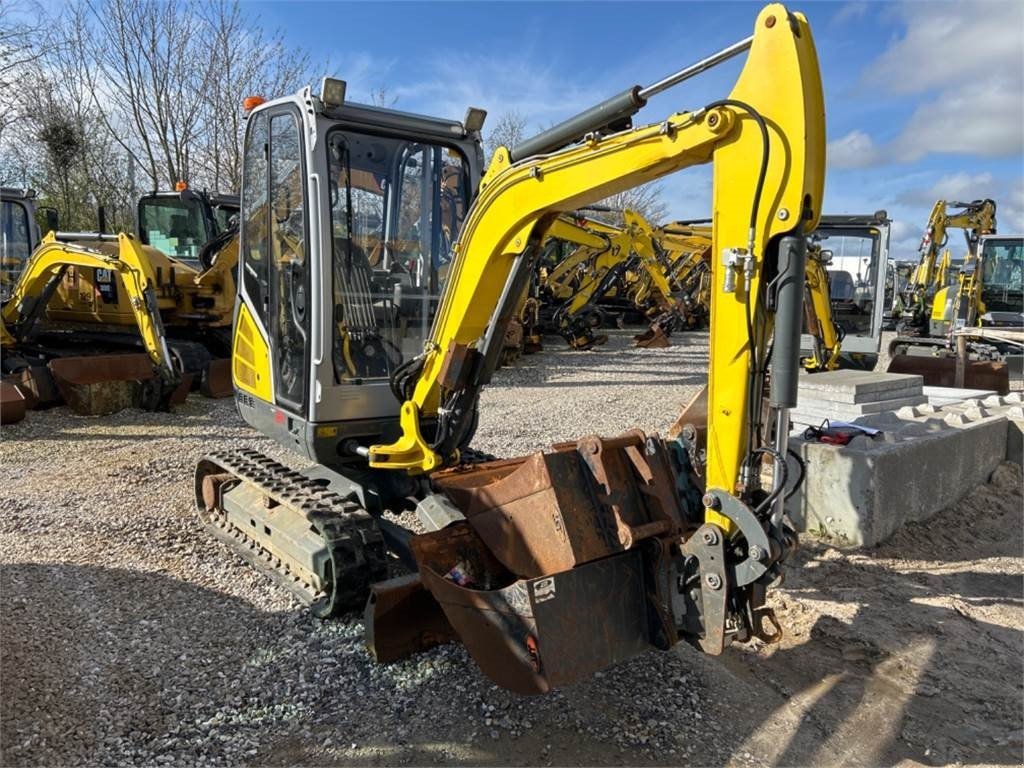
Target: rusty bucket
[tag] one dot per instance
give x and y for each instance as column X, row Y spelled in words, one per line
column 12, row 403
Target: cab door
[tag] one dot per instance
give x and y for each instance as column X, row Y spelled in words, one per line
column 275, row 237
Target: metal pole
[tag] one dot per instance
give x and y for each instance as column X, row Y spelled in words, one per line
column 695, row 69
column 961, row 360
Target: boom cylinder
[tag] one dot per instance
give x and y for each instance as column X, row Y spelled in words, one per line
column 789, row 315
column 617, row 108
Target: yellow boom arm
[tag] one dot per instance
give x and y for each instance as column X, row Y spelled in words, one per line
column 820, row 323
column 767, row 144
column 975, row 218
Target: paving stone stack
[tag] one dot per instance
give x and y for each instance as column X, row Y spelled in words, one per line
column 848, row 395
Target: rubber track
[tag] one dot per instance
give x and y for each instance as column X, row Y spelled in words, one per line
column 357, row 549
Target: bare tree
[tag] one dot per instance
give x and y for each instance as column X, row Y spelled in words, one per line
column 246, row 62
column 647, row 200
column 381, row 96
column 17, row 54
column 509, row 129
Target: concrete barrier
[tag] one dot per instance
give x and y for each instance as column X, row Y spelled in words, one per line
column 926, row 458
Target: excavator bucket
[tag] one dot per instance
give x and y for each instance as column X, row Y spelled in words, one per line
column 941, row 372
column 552, row 575
column 36, row 384
column 653, row 338
column 216, row 380
column 12, row 403
column 98, row 385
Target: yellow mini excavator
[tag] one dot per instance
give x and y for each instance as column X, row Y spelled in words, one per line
column 552, row 566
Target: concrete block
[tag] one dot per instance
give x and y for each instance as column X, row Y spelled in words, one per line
column 861, row 493
column 859, row 386
column 812, row 412
column 939, row 396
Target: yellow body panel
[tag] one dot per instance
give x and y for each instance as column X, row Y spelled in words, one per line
column 250, row 358
column 83, row 295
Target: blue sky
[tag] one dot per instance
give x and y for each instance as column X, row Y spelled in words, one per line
column 924, row 100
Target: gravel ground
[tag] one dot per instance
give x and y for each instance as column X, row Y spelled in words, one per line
column 131, row 637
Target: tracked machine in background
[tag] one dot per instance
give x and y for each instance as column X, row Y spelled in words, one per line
column 934, row 270
column 963, row 325
column 553, row 566
column 104, row 322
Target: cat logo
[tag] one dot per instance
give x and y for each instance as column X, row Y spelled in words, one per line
column 543, row 589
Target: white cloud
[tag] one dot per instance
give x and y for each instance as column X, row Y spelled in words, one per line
column 948, row 44
column 984, row 119
column 960, row 186
column 455, row 81
column 967, row 60
column 849, row 12
column 854, row 150
column 904, row 230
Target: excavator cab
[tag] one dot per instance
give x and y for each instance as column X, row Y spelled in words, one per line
column 1002, row 272
column 180, row 223
column 349, row 218
column 859, row 253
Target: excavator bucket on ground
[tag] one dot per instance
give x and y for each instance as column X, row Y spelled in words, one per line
column 216, row 379
column 12, row 403
column 653, row 338
column 941, row 372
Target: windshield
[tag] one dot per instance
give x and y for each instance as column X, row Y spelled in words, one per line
column 15, row 245
column 173, row 227
column 1003, row 264
column 222, row 215
column 852, row 272
column 396, row 209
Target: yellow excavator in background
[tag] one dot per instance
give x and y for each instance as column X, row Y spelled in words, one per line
column 687, row 250
column 553, row 566
column 934, row 270
column 942, row 303
column 85, row 300
column 826, row 335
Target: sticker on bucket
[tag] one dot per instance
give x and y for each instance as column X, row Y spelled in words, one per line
column 544, row 589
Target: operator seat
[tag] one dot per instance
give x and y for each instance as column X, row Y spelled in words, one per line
column 360, row 348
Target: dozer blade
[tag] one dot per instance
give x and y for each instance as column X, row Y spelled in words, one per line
column 402, row 618
column 12, row 403
column 216, row 381
column 36, row 384
column 99, row 385
column 941, row 372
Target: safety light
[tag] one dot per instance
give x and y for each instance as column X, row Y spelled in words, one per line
column 180, row 186
column 475, row 119
column 249, row 103
column 332, row 92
